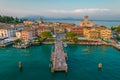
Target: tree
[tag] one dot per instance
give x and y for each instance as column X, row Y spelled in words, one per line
column 117, row 29
column 75, row 39
column 70, row 35
column 18, row 41
column 10, row 19
column 80, row 35
column 46, row 35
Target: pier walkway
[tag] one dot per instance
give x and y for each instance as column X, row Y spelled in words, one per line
column 58, row 57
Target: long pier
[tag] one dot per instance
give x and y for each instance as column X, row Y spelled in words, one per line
column 59, row 57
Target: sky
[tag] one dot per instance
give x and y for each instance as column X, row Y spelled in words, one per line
column 95, row 9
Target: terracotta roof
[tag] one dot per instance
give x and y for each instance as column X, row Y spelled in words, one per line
column 5, row 27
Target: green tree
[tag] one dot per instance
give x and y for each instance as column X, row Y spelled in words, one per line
column 112, row 28
column 75, row 40
column 70, row 35
column 10, row 19
column 46, row 34
column 80, row 35
column 118, row 29
column 18, row 41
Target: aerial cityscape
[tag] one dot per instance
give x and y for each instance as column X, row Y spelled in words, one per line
column 59, row 40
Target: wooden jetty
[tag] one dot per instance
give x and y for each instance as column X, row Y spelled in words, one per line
column 116, row 46
column 59, row 58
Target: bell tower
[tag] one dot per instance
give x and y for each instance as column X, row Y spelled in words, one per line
column 40, row 21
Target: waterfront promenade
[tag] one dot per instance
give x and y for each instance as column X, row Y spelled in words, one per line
column 59, row 57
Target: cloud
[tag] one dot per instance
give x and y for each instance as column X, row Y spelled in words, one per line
column 54, row 12
column 16, row 12
column 85, row 10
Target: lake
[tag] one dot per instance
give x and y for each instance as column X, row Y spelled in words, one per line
column 82, row 63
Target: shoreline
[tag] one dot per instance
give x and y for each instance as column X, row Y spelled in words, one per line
column 97, row 44
column 85, row 44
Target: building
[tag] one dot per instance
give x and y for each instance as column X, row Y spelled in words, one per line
column 26, row 34
column 67, row 27
column 9, row 30
column 105, row 34
column 40, row 21
column 94, row 34
column 86, row 32
column 58, row 29
column 77, row 30
column 39, row 30
column 97, row 32
column 28, row 22
column 18, row 34
column 86, row 23
column 91, row 33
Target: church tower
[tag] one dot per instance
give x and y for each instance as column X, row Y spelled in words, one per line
column 40, row 21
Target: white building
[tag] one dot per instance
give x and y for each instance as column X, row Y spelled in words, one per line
column 8, row 30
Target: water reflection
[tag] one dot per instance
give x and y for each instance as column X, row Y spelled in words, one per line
column 57, row 76
column 99, row 69
column 21, row 69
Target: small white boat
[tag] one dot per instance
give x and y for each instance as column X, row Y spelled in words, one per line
column 65, row 45
column 86, row 50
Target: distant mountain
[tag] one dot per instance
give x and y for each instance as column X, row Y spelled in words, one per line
column 35, row 18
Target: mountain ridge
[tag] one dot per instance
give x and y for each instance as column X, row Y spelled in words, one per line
column 35, row 18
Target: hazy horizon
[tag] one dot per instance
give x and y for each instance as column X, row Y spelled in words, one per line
column 102, row 9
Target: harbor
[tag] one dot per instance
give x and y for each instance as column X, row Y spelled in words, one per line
column 36, row 59
column 59, row 40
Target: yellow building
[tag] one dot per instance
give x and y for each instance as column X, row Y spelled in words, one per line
column 8, row 30
column 3, row 33
column 97, row 32
column 28, row 22
column 86, row 32
column 91, row 33
column 105, row 34
column 18, row 34
column 94, row 34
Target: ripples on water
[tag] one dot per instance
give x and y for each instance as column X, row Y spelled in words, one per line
column 82, row 63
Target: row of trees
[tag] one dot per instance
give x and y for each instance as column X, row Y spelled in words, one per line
column 48, row 36
column 10, row 19
column 117, row 29
column 72, row 36
column 45, row 35
column 116, row 32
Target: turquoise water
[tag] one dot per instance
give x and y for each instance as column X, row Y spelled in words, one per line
column 82, row 62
